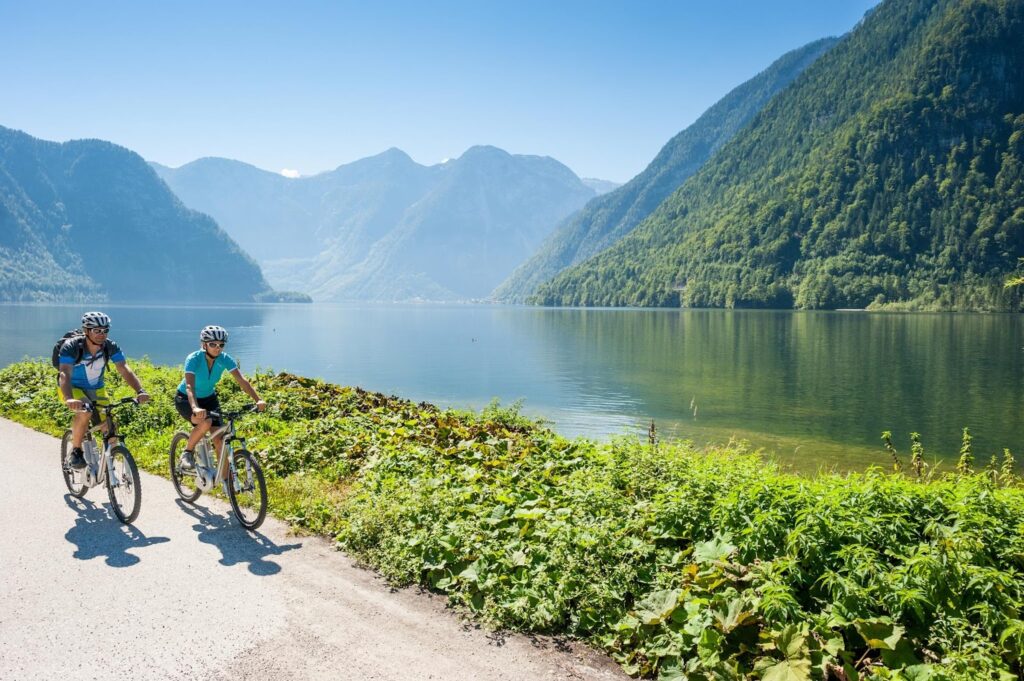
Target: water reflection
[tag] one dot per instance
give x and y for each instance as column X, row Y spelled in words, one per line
column 817, row 387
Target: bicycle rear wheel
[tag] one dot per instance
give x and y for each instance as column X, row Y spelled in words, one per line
column 248, row 491
column 126, row 493
column 184, row 481
column 76, row 489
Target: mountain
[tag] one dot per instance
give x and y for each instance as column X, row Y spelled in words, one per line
column 600, row 186
column 608, row 218
column 89, row 220
column 890, row 173
column 385, row 227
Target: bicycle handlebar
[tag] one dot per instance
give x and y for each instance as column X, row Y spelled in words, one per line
column 233, row 415
column 89, row 406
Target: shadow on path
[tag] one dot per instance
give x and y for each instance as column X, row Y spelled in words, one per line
column 235, row 543
column 98, row 533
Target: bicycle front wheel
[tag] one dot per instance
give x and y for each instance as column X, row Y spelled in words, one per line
column 125, row 491
column 248, row 491
column 77, row 490
column 184, row 481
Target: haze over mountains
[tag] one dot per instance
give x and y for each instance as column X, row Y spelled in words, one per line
column 386, row 227
column 891, row 172
column 89, row 220
column 608, row 218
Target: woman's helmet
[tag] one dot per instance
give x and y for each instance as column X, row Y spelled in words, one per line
column 213, row 333
column 92, row 320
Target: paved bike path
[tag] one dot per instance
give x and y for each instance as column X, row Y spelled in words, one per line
column 186, row 593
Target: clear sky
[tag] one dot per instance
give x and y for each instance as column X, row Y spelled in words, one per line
column 308, row 86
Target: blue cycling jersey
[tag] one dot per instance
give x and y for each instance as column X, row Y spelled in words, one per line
column 87, row 371
column 206, row 376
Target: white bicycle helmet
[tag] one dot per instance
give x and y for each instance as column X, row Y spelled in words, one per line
column 213, row 333
column 93, row 320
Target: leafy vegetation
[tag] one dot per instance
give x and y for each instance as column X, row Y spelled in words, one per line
column 890, row 174
column 681, row 563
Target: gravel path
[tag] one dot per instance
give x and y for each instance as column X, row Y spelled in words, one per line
column 186, row 593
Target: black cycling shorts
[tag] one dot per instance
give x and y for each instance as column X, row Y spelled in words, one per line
column 210, row 403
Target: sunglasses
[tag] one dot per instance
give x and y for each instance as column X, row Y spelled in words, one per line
column 100, row 329
column 215, row 344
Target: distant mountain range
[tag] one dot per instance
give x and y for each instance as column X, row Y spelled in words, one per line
column 608, row 218
column 89, row 220
column 385, row 227
column 600, row 186
column 889, row 174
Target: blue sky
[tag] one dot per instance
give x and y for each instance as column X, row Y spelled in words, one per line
column 307, row 86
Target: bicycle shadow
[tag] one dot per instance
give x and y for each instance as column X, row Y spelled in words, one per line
column 97, row 533
column 236, row 544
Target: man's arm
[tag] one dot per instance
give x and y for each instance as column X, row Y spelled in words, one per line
column 64, row 382
column 132, row 380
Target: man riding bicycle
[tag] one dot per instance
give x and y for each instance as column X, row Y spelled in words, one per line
column 197, row 393
column 82, row 363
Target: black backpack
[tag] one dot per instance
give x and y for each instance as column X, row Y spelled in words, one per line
column 73, row 333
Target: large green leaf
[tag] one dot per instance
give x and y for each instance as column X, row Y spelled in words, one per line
column 657, row 606
column 787, row 670
column 671, row 669
column 735, row 616
column 920, row 672
column 709, row 647
column 792, row 642
column 717, row 549
column 880, row 634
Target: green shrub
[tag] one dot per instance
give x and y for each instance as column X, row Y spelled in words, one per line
column 680, row 562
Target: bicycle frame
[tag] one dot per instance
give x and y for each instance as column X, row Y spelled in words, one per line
column 210, row 473
column 100, row 465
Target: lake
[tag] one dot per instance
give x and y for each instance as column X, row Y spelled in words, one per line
column 817, row 388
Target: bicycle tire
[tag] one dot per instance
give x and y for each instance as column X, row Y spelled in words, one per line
column 181, row 479
column 129, row 485
column 249, row 502
column 65, row 444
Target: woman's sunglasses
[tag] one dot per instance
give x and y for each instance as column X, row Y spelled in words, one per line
column 215, row 344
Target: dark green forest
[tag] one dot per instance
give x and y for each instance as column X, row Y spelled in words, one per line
column 888, row 175
column 609, row 217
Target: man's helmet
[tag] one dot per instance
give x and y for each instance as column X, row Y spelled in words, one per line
column 92, row 320
column 213, row 333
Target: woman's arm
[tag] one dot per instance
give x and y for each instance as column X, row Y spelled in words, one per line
column 190, row 393
column 247, row 388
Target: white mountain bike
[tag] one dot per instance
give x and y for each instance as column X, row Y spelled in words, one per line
column 110, row 465
column 236, row 469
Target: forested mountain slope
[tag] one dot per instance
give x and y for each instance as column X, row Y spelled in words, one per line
column 890, row 172
column 89, row 220
column 607, row 218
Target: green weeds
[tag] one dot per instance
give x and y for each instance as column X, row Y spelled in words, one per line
column 681, row 563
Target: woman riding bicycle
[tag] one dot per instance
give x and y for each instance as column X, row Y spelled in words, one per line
column 197, row 394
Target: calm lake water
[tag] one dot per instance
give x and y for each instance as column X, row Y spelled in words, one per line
column 815, row 387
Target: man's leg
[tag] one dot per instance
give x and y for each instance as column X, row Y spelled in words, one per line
column 79, row 426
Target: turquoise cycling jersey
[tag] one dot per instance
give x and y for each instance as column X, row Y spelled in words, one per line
column 206, row 376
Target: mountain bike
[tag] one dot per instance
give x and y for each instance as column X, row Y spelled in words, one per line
column 112, row 465
column 237, row 470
